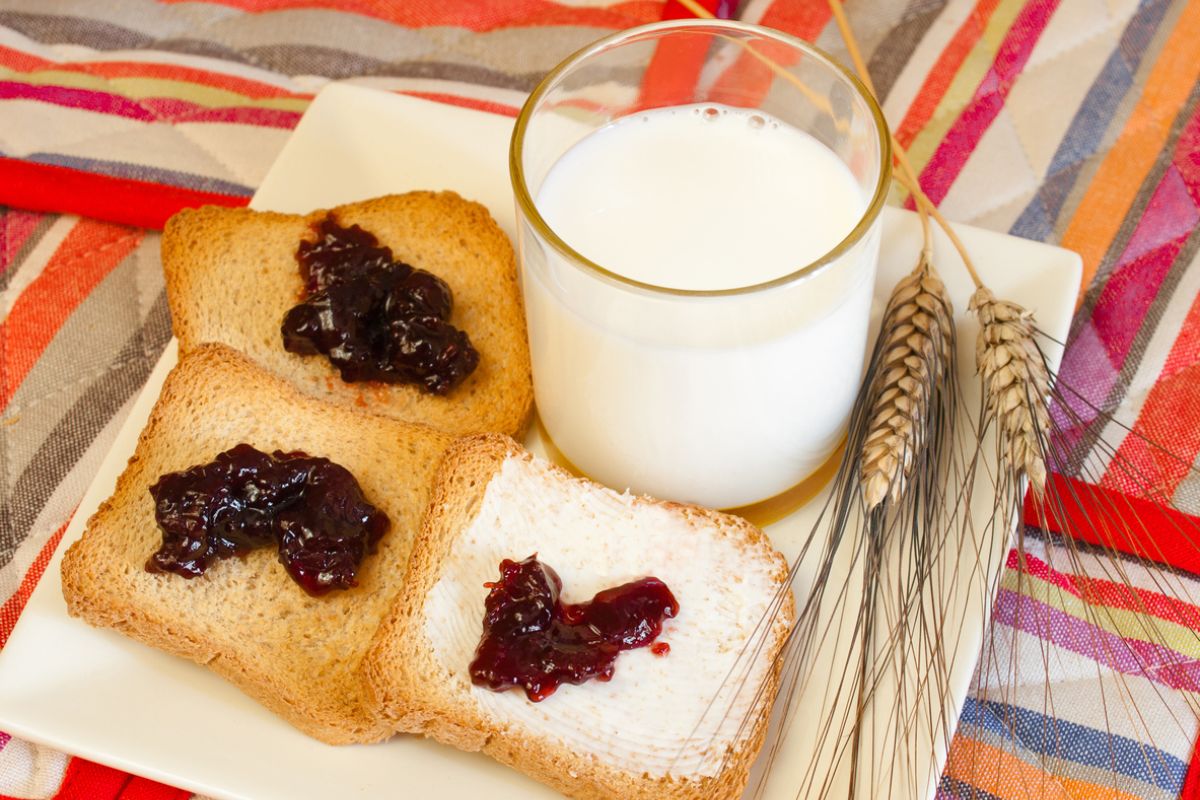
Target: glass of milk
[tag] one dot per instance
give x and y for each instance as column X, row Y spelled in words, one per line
column 698, row 207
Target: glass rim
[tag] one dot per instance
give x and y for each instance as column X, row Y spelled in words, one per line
column 525, row 200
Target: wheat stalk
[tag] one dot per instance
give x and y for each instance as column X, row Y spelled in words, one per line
column 916, row 331
column 901, row 430
column 1015, row 382
column 900, row 427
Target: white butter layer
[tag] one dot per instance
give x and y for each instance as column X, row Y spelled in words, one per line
column 595, row 538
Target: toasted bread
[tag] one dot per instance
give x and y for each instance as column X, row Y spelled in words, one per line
column 632, row 737
column 245, row 618
column 232, row 275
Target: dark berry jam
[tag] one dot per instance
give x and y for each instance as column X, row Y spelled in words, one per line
column 375, row 318
column 311, row 508
column 533, row 640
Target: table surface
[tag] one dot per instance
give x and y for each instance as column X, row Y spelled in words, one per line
column 1068, row 121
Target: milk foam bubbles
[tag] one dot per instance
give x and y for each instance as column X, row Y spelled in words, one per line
column 722, row 400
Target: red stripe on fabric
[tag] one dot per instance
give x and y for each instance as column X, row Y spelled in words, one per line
column 143, row 204
column 1185, row 352
column 24, row 62
column 16, row 227
column 14, row 605
column 1169, row 413
column 1024, row 562
column 88, row 253
column 147, row 109
column 1191, row 781
column 61, row 190
column 748, row 79
column 964, row 135
column 146, row 789
column 938, row 79
column 675, row 67
column 1100, row 592
column 1130, row 525
column 72, row 97
column 174, row 110
column 802, row 18
column 1169, row 218
column 1141, row 601
column 176, row 72
column 86, row 780
column 722, row 9
column 466, row 102
column 481, row 15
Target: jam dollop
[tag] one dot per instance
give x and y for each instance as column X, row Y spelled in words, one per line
column 311, row 508
column 375, row 318
column 533, row 640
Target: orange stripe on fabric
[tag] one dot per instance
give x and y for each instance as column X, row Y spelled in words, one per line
column 675, row 67
column 1170, row 414
column 1115, row 185
column 802, row 18
column 88, row 253
column 747, row 79
column 18, row 60
column 11, row 610
column 1008, row 777
column 480, row 15
column 938, row 81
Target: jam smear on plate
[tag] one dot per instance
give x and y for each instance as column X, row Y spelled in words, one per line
column 375, row 318
column 312, row 509
column 533, row 640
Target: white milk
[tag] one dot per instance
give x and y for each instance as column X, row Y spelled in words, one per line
column 701, row 197
column 722, row 400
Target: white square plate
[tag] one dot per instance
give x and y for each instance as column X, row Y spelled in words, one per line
column 97, row 694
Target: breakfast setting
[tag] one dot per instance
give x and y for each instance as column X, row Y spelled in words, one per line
column 680, row 399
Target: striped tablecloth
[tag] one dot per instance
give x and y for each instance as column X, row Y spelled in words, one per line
column 1069, row 121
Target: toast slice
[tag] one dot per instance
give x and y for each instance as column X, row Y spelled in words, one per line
column 232, row 275
column 245, row 618
column 635, row 736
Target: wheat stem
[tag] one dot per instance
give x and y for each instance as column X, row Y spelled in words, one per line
column 906, row 176
column 1015, row 380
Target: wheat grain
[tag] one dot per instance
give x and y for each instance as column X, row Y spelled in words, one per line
column 915, row 349
column 1015, row 383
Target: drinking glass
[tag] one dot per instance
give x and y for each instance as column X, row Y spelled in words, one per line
column 723, row 397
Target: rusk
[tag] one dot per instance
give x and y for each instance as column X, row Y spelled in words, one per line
column 232, row 275
column 632, row 737
column 245, row 619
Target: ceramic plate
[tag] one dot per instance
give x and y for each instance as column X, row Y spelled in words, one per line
column 97, row 694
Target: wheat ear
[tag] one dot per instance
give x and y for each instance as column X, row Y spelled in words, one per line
column 1015, row 383
column 915, row 355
